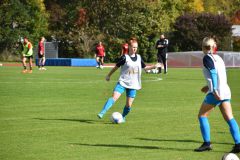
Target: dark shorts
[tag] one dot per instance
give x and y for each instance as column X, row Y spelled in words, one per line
column 41, row 56
column 161, row 58
column 28, row 57
column 100, row 57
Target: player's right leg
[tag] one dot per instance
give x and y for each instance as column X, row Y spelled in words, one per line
column 118, row 90
column 98, row 62
column 39, row 62
column 206, row 107
column 24, row 64
column 159, row 59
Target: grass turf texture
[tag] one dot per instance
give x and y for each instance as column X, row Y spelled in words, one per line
column 51, row 115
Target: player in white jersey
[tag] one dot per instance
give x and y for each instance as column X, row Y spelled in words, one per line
column 218, row 93
column 130, row 78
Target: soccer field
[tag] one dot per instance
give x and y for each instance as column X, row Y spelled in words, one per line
column 51, row 115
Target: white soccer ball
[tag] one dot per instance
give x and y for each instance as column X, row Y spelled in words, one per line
column 230, row 156
column 155, row 71
column 116, row 117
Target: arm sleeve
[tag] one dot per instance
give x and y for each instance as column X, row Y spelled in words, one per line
column 143, row 64
column 121, row 61
column 156, row 46
column 208, row 63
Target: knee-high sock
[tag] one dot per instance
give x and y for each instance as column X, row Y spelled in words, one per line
column 234, row 129
column 107, row 105
column 205, row 128
column 126, row 110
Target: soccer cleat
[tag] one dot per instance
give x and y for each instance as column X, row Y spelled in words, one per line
column 204, row 147
column 43, row 68
column 101, row 67
column 40, row 69
column 30, row 71
column 236, row 148
column 24, row 71
column 124, row 120
column 100, row 115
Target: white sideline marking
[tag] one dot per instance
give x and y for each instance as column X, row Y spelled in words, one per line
column 79, row 82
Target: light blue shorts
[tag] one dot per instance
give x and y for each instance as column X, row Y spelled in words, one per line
column 210, row 99
column 129, row 92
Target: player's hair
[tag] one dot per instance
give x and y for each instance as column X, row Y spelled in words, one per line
column 133, row 40
column 208, row 43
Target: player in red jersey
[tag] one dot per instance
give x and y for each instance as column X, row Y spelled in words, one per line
column 124, row 49
column 41, row 54
column 100, row 54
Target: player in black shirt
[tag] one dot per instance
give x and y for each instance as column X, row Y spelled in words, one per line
column 161, row 46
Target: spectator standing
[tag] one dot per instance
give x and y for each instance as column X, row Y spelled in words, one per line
column 162, row 46
column 41, row 54
column 100, row 54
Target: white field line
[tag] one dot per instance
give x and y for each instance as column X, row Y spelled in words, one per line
column 56, row 81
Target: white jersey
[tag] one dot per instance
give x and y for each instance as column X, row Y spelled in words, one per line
column 130, row 76
column 222, row 86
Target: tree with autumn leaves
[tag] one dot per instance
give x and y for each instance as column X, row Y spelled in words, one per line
column 78, row 25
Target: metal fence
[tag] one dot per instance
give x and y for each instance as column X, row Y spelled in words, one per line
column 194, row 59
column 50, row 49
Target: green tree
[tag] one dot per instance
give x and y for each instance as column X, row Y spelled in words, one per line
column 190, row 29
column 227, row 7
column 20, row 19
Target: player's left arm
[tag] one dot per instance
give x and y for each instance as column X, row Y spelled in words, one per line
column 145, row 67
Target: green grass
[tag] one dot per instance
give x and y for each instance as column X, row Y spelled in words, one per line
column 51, row 115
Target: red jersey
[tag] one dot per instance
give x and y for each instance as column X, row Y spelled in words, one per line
column 125, row 48
column 40, row 48
column 100, row 51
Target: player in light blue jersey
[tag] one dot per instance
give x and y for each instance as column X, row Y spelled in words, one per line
column 130, row 78
column 218, row 94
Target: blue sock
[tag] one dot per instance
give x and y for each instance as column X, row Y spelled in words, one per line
column 107, row 105
column 205, row 128
column 126, row 110
column 234, row 129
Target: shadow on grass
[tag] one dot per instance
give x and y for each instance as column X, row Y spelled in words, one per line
column 136, row 147
column 89, row 121
column 181, row 141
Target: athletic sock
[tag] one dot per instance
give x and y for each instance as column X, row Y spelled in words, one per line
column 126, row 110
column 107, row 105
column 205, row 128
column 30, row 67
column 234, row 129
column 24, row 67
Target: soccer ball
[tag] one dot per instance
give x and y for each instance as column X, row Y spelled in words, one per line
column 116, row 118
column 230, row 156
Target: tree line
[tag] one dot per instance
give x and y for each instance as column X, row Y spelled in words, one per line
column 79, row 25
